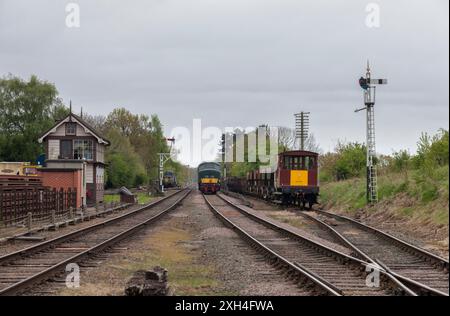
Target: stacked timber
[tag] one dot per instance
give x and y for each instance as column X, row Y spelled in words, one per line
column 20, row 182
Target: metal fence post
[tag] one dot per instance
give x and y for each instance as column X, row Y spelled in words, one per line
column 29, row 221
column 53, row 219
column 53, row 216
column 1, row 208
column 82, row 215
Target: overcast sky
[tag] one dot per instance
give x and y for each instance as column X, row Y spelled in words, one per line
column 241, row 62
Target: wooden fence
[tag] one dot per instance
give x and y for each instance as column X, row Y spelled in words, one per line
column 16, row 203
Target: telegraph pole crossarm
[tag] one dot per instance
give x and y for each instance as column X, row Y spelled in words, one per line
column 301, row 128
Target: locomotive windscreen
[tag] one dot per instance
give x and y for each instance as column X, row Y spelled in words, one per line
column 209, row 170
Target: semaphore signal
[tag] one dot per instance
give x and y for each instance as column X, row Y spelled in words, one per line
column 369, row 86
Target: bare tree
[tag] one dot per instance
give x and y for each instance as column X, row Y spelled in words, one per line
column 96, row 121
column 312, row 145
column 286, row 138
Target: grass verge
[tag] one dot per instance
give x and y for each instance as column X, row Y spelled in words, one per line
column 412, row 195
column 142, row 197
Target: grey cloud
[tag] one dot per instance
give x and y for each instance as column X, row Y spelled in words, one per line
column 240, row 62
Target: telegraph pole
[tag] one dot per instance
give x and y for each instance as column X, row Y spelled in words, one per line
column 369, row 86
column 301, row 128
column 223, row 149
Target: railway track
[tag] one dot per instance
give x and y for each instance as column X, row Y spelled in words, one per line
column 21, row 270
column 420, row 270
column 329, row 271
column 307, row 224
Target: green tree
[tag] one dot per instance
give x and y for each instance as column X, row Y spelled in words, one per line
column 27, row 109
column 423, row 147
column 119, row 171
column 125, row 167
column 439, row 150
column 138, row 139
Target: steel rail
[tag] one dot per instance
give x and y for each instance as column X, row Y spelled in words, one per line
column 47, row 273
column 324, row 285
column 323, row 248
column 421, row 252
column 62, row 238
column 415, row 286
column 345, row 241
column 411, row 283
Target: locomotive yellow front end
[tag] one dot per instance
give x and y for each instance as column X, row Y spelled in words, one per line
column 297, row 178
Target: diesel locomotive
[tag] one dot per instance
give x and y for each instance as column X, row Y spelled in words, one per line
column 209, row 176
column 295, row 180
column 170, row 179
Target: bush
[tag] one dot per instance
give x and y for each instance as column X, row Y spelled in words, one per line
column 432, row 151
column 419, row 181
column 140, row 179
column 429, row 193
column 325, row 176
column 387, row 190
column 351, row 160
column 401, row 161
column 403, row 187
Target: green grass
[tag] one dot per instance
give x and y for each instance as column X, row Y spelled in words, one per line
column 143, row 198
column 349, row 193
column 407, row 211
column 108, row 198
column 441, row 216
column 427, row 192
